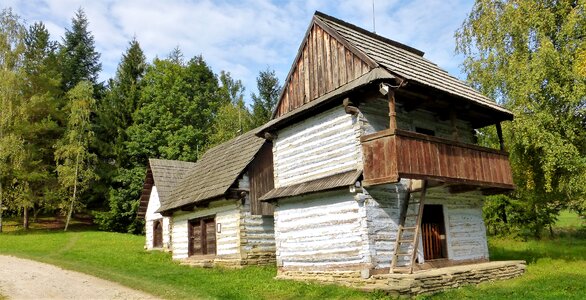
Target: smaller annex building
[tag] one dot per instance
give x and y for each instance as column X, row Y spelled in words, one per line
column 161, row 177
column 212, row 207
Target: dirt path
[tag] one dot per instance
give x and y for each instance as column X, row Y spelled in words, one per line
column 27, row 279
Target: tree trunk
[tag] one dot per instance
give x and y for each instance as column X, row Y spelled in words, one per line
column 74, row 193
column 25, row 218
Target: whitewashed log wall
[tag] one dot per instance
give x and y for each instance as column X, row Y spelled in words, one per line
column 375, row 117
column 257, row 233
column 322, row 231
column 465, row 228
column 151, row 216
column 323, row 145
column 228, row 241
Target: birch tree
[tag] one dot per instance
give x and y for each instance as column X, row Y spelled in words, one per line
column 529, row 55
column 75, row 163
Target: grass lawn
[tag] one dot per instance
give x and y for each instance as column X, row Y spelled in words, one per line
column 121, row 258
column 556, row 268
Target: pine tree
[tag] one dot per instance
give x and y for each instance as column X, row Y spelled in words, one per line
column 264, row 103
column 79, row 59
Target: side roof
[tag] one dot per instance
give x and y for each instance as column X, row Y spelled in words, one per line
column 215, row 172
column 335, row 53
column 164, row 174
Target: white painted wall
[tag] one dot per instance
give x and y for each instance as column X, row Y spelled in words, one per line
column 465, row 229
column 321, row 230
column 320, row 146
column 151, row 216
column 228, row 241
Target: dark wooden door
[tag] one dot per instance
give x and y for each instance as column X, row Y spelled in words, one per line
column 433, row 232
column 202, row 236
column 158, row 234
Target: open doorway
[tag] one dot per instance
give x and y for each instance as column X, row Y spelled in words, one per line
column 433, row 232
column 158, row 233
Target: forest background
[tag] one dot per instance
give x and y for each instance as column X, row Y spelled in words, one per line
column 71, row 143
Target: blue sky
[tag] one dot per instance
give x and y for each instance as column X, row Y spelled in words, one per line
column 246, row 36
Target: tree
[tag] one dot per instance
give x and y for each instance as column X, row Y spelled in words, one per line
column 179, row 102
column 11, row 143
column 264, row 103
column 527, row 55
column 79, row 59
column 75, row 164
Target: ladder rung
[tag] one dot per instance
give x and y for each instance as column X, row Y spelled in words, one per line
column 409, row 228
column 405, row 241
column 403, row 254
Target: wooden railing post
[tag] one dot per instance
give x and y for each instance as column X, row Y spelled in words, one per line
column 499, row 132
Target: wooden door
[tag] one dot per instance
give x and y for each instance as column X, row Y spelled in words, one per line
column 158, row 234
column 433, row 232
column 202, row 236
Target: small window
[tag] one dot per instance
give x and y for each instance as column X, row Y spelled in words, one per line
column 425, row 131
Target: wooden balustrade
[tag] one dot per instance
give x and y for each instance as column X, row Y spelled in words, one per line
column 393, row 154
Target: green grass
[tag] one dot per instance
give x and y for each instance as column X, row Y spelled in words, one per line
column 556, row 267
column 121, row 258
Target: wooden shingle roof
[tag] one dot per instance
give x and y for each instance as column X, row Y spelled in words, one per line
column 164, row 174
column 214, row 172
column 405, row 62
column 335, row 54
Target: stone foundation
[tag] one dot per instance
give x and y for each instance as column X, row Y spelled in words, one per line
column 229, row 261
column 420, row 282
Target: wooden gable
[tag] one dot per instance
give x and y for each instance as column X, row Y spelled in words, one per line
column 325, row 62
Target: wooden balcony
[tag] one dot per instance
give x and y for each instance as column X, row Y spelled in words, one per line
column 393, row 154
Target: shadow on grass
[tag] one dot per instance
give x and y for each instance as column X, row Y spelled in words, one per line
column 568, row 245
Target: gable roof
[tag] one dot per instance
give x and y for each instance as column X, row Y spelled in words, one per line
column 164, row 174
column 334, row 53
column 215, row 172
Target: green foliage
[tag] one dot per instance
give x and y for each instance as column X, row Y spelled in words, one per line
column 79, row 59
column 526, row 54
column 264, row 103
column 121, row 258
column 75, row 163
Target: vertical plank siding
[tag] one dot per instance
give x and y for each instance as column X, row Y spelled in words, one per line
column 323, row 145
column 323, row 65
column 261, row 180
column 411, row 155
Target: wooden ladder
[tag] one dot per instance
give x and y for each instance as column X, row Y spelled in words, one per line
column 408, row 236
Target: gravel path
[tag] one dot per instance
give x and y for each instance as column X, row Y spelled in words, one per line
column 27, row 279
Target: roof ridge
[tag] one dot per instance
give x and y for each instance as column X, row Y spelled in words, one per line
column 371, row 34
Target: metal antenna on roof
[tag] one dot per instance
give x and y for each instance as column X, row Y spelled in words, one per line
column 373, row 20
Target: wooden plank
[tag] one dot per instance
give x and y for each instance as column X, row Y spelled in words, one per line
column 320, row 62
column 357, row 67
column 314, row 64
column 327, row 63
column 342, row 64
column 335, row 67
column 306, row 92
column 349, row 67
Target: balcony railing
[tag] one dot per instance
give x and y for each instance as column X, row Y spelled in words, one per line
column 393, row 154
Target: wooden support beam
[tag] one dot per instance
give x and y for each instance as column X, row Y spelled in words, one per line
column 392, row 110
column 270, row 136
column 349, row 107
column 499, row 132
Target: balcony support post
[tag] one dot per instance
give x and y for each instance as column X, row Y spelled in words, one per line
column 392, row 112
column 499, row 132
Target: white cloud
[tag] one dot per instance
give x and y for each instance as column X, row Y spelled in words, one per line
column 244, row 37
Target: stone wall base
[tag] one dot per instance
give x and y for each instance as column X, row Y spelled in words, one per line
column 420, row 282
column 235, row 262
